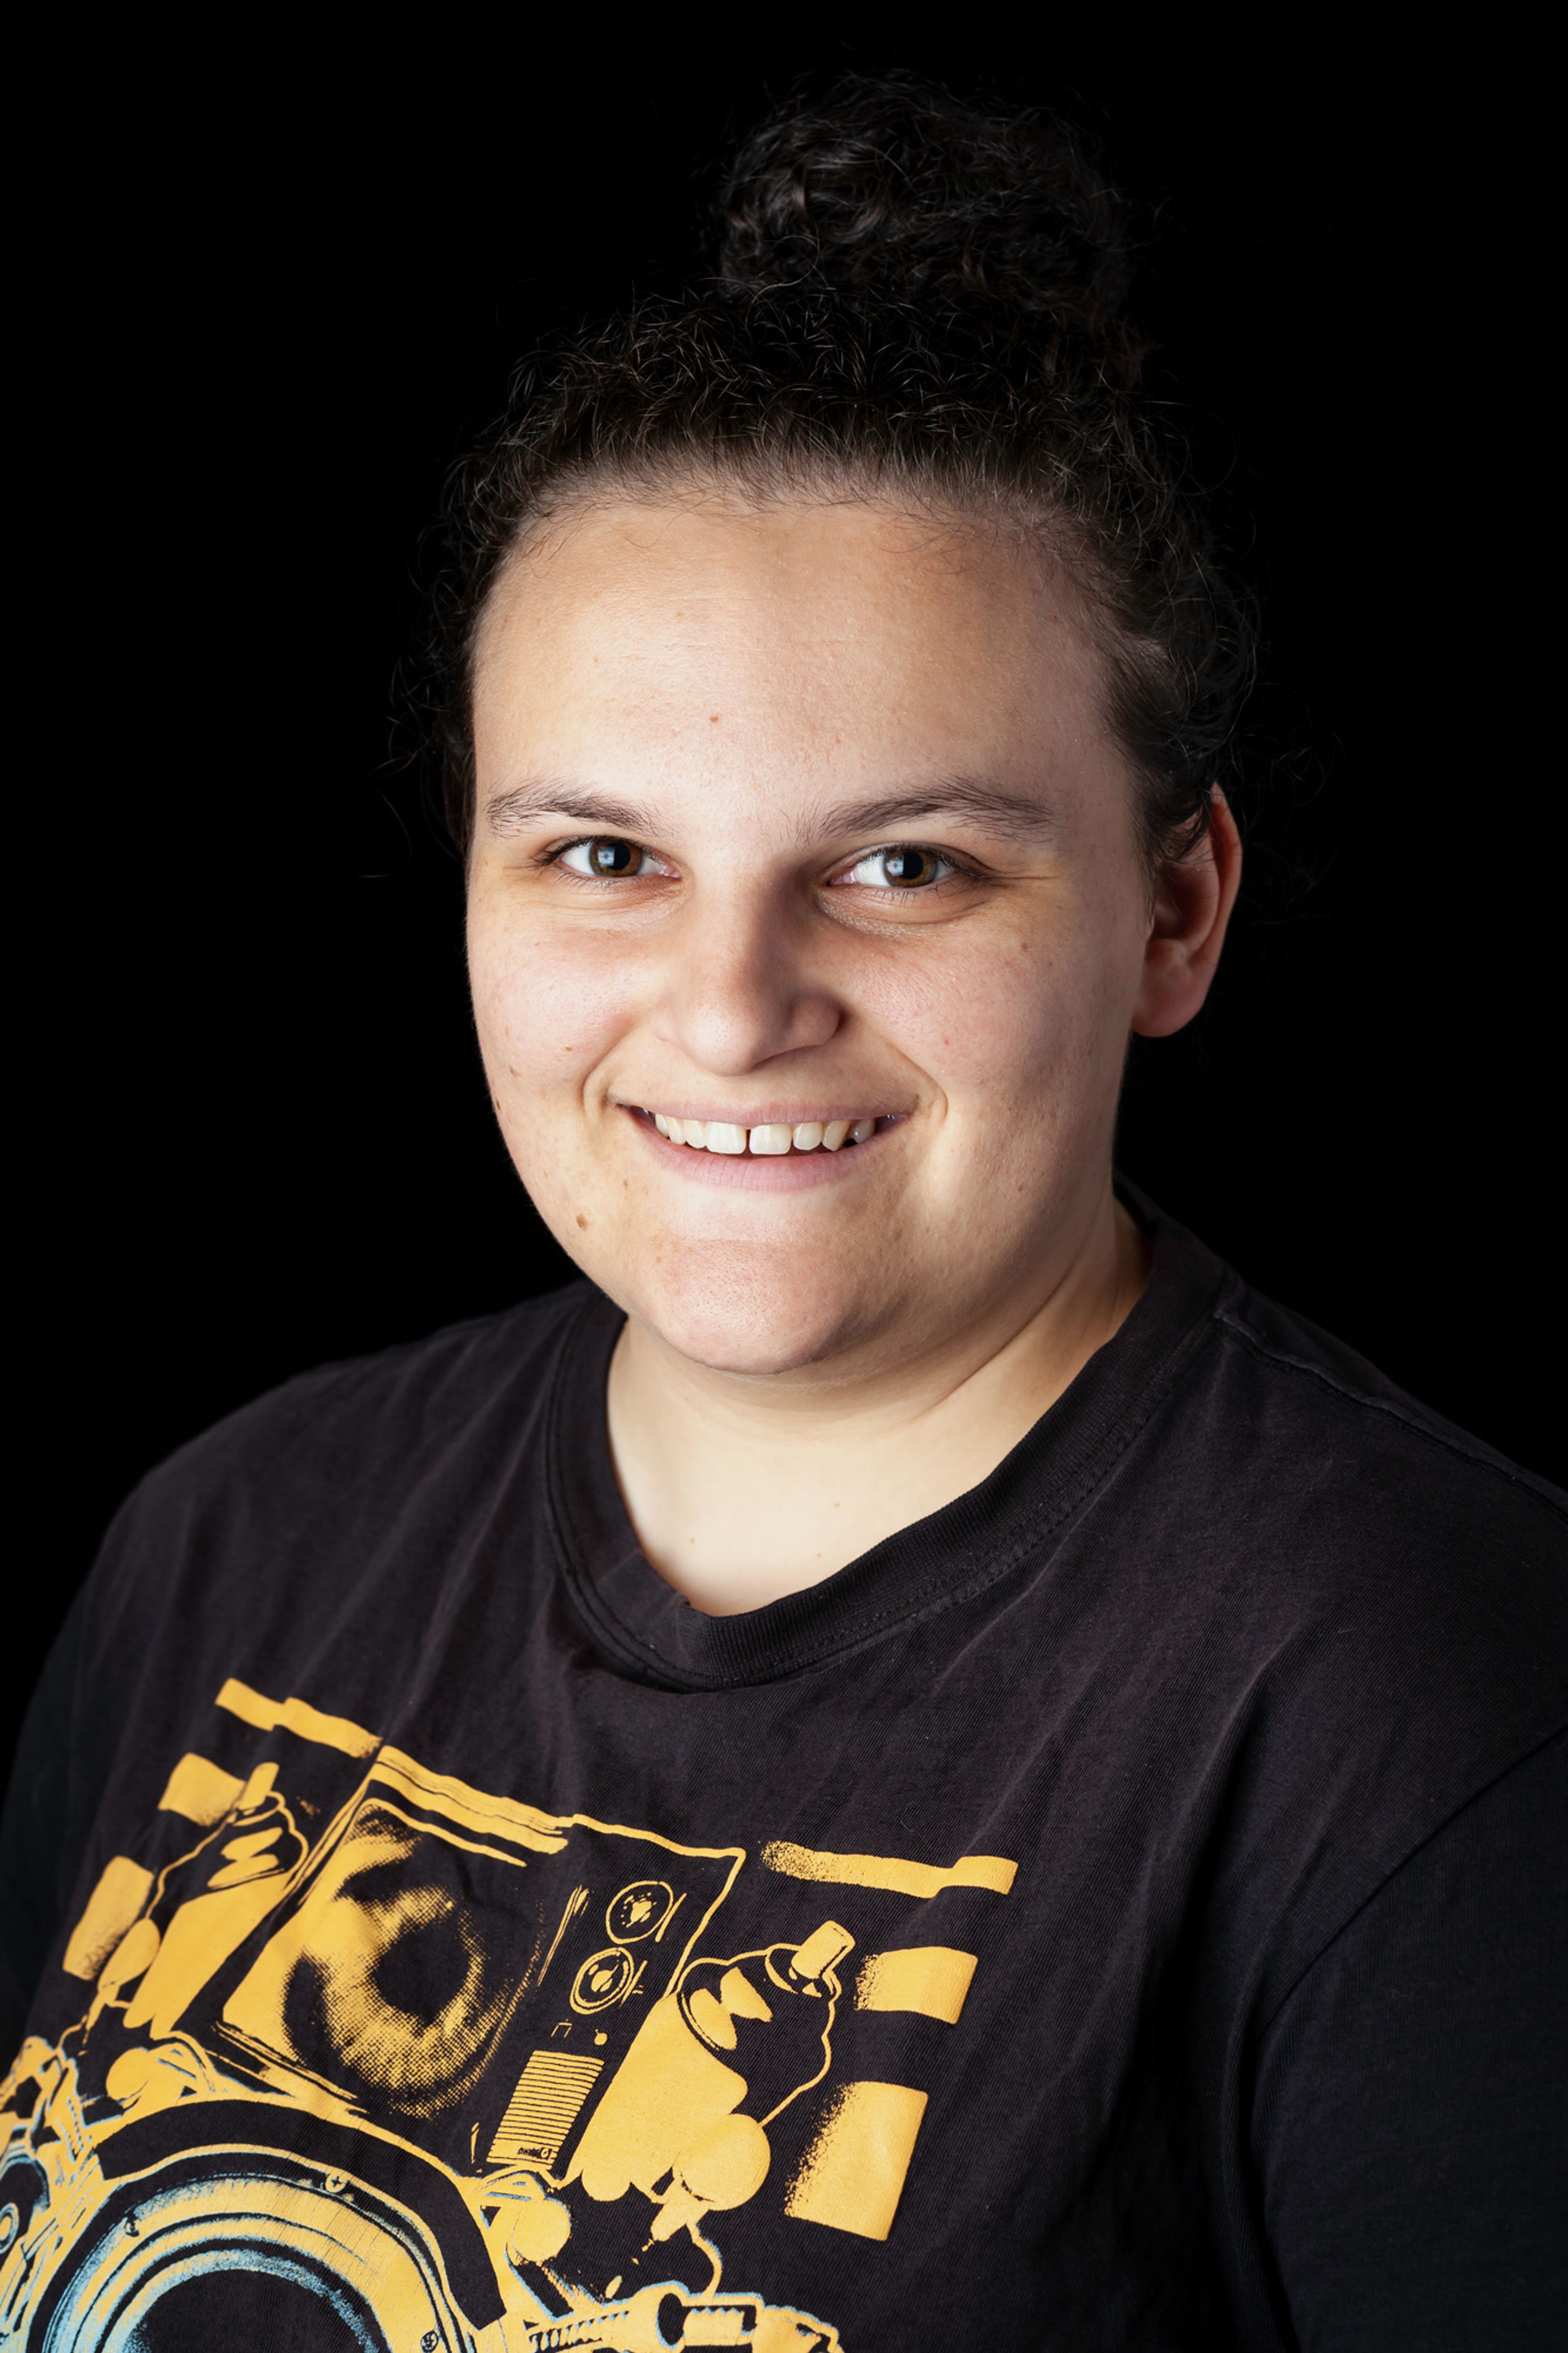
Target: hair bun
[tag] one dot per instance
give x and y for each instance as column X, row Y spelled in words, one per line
column 896, row 190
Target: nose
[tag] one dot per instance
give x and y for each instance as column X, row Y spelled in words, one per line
column 737, row 993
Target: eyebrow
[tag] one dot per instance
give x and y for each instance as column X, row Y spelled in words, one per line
column 509, row 812
column 1018, row 815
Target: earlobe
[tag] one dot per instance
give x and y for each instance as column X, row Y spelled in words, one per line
column 1193, row 903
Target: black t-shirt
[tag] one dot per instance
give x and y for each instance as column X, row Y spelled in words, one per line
column 1122, row 1910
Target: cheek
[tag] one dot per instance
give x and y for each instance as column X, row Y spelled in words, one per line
column 1017, row 1023
column 547, row 1006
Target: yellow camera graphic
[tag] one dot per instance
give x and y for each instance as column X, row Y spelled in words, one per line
column 465, row 2077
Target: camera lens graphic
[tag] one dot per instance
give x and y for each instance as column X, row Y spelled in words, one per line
column 639, row 1911
column 257, row 2247
column 603, row 1979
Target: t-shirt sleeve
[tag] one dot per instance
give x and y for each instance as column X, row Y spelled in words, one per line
column 1408, row 2123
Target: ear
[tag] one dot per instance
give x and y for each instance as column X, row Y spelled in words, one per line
column 1187, row 930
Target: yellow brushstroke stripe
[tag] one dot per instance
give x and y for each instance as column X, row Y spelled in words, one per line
column 298, row 1716
column 331, row 1731
column 852, row 2176
column 200, row 1791
column 249, row 1706
column 929, row 1979
column 475, row 1809
column 123, row 1889
column 992, row 1871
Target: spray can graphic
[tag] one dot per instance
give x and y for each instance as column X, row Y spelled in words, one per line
column 728, row 2048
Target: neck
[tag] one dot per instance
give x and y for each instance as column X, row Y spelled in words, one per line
column 742, row 1491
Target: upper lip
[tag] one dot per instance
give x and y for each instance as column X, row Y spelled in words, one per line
column 765, row 1115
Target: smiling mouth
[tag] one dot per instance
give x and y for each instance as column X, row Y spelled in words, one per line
column 772, row 1140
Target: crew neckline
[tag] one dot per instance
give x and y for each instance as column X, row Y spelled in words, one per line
column 930, row 1565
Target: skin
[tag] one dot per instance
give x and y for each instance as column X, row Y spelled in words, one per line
column 819, row 1350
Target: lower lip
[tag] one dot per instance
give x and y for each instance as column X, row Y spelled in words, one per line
column 757, row 1172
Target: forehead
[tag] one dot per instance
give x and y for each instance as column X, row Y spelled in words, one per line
column 808, row 630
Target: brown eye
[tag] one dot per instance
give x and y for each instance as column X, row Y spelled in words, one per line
column 907, row 866
column 902, row 866
column 607, row 858
column 611, row 857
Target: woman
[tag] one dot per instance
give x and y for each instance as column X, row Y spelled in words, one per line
column 909, row 1764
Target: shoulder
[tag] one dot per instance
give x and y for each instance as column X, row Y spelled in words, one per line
column 402, row 1400
column 305, row 1543
column 1286, row 1448
column 1395, row 1567
column 311, row 1481
column 1376, row 1605
column 1332, row 1438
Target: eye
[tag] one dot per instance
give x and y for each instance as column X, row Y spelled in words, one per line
column 607, row 858
column 900, row 866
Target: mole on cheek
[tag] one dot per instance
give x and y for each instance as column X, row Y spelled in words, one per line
column 581, row 1220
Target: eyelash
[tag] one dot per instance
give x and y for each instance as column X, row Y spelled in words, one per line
column 959, row 869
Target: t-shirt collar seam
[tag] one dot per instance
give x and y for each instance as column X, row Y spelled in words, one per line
column 1066, row 1503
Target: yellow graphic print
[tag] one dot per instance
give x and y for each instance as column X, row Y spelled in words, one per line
column 456, row 2075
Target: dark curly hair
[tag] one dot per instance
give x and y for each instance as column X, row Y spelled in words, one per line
column 918, row 299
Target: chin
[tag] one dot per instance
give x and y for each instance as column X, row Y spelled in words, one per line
column 736, row 1309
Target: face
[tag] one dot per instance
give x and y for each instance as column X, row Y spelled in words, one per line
column 799, row 827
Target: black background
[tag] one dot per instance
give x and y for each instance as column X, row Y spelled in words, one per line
column 276, row 289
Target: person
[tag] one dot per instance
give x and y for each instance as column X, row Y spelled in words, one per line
column 907, row 1764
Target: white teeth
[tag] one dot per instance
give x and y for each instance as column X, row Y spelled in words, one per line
column 772, row 1137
